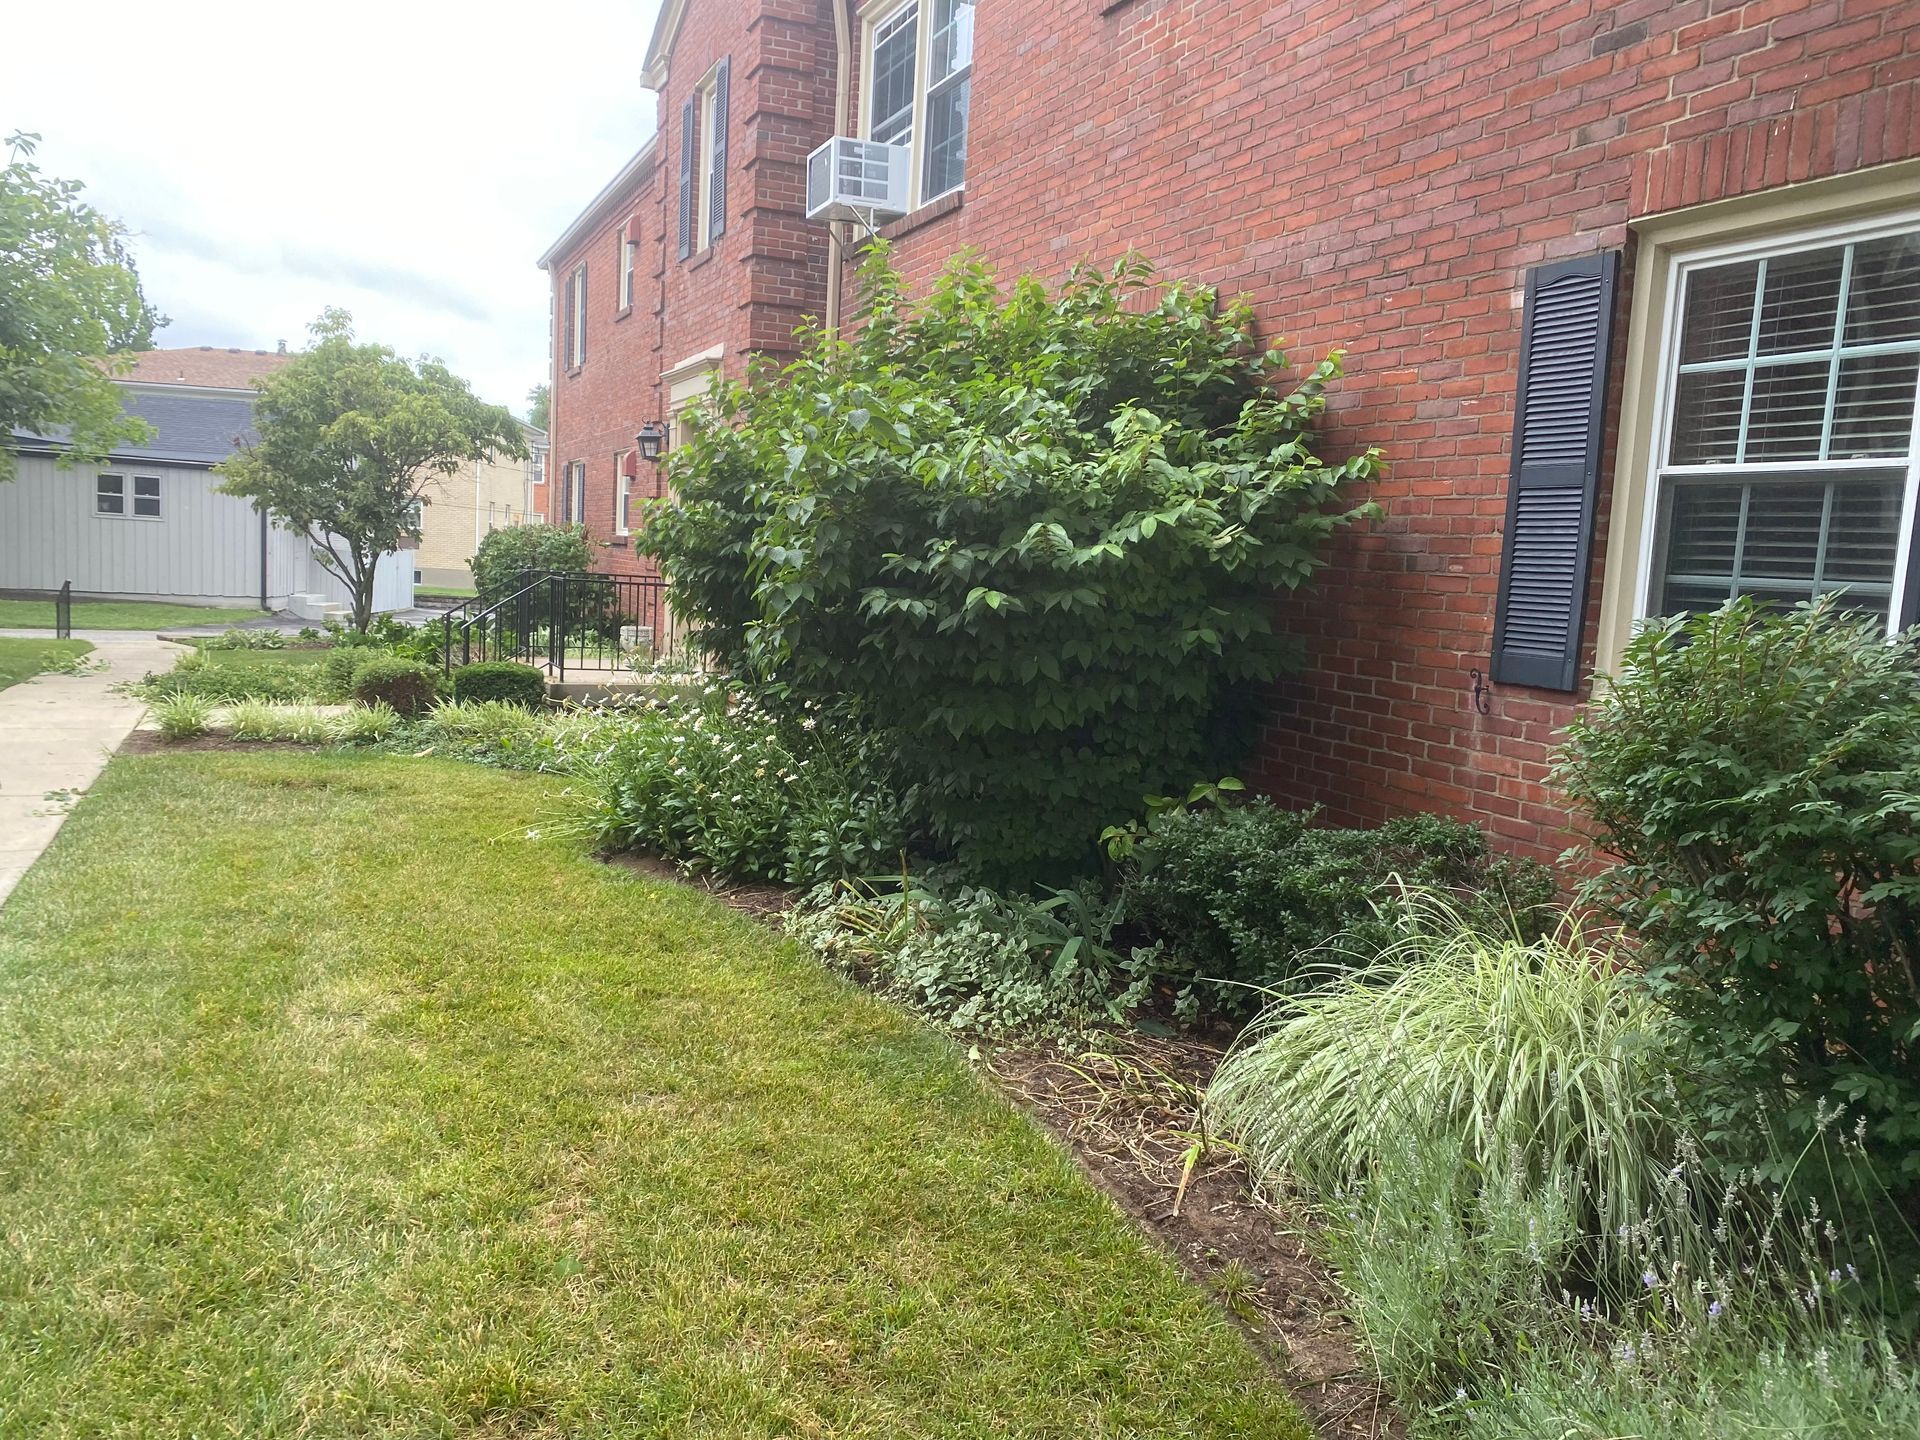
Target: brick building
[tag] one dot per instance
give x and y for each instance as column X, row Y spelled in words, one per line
column 1676, row 246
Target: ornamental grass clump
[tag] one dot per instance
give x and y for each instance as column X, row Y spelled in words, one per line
column 1038, row 540
column 1540, row 1053
column 183, row 716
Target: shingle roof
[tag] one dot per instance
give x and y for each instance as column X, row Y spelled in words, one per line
column 203, row 365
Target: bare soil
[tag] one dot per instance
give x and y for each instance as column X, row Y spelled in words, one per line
column 152, row 742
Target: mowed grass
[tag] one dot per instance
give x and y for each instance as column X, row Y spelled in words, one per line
column 24, row 659
column 334, row 1102
column 119, row 615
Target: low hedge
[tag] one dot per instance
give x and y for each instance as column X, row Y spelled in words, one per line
column 1253, row 898
column 406, row 686
column 504, row 680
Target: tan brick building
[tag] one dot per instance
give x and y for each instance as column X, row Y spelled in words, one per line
column 1675, row 246
column 482, row 495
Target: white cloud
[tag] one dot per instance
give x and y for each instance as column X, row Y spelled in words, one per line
column 406, row 160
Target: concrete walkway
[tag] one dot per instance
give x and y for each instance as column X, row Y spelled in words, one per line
column 56, row 734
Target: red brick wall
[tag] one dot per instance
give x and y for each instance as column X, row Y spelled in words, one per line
column 746, row 292
column 1379, row 177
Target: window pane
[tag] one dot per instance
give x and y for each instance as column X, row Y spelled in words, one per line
column 946, row 164
column 1873, row 409
column 952, row 40
column 109, row 496
column 146, row 495
column 1789, row 409
column 1718, row 321
column 896, row 48
column 1784, row 541
column 1883, row 302
column 1800, row 301
column 146, row 485
column 1706, row 417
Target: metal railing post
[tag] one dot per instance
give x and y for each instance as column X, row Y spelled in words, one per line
column 63, row 612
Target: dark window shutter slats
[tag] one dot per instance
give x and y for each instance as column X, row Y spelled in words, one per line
column 580, row 355
column 1558, row 428
column 717, row 200
column 567, row 350
column 686, row 179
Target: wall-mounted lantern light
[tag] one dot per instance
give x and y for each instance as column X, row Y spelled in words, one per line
column 651, row 440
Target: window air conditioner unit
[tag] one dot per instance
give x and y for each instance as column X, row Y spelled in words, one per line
column 850, row 179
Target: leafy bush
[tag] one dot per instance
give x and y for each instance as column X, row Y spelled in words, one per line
column 396, row 637
column 1038, row 539
column 1543, row 1055
column 975, row 960
column 507, row 681
column 339, row 668
column 194, row 674
column 1249, row 897
column 183, row 716
column 505, row 555
column 405, row 686
column 1752, row 779
column 713, row 779
column 236, row 639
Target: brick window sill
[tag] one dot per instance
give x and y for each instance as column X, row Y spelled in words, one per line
column 700, row 258
column 622, row 313
column 573, row 370
column 925, row 215
column 617, row 542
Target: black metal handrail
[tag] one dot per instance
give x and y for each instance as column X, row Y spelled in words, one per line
column 567, row 619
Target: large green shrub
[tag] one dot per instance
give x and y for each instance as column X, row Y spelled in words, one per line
column 507, row 681
column 504, row 555
column 1040, row 539
column 1248, row 897
column 1752, row 778
column 405, row 686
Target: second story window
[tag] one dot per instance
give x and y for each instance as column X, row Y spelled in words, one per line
column 703, row 161
column 623, row 261
column 575, row 339
column 920, row 69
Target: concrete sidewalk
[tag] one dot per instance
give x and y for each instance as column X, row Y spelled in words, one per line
column 56, row 734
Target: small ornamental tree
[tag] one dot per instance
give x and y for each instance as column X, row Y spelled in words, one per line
column 70, row 303
column 1039, row 541
column 352, row 437
column 1752, row 783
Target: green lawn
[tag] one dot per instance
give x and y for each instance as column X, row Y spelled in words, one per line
column 457, row 592
column 118, row 615
column 340, row 1096
column 23, row 659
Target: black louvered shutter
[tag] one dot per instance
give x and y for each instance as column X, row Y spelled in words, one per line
column 567, row 350
column 581, row 353
column 717, row 199
column 686, row 179
column 1557, row 427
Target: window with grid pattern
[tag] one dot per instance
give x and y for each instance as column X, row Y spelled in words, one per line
column 1785, row 468
column 919, row 88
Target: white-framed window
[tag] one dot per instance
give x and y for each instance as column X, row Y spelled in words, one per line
column 1784, row 460
column 573, row 492
column 577, row 326
column 919, row 69
column 135, row 497
column 622, row 495
column 623, row 249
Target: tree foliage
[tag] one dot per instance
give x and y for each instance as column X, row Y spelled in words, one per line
column 538, row 407
column 352, row 437
column 1038, row 539
column 506, row 555
column 1753, row 782
column 70, row 301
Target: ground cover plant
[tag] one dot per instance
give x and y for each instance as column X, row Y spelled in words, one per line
column 369, row 1104
column 1038, row 539
column 1752, row 778
column 119, row 615
column 23, row 659
column 225, row 676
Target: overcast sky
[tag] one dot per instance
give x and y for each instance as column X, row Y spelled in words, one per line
column 408, row 160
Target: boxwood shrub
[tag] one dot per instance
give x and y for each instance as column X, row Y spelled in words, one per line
column 1255, row 898
column 504, row 680
column 405, row 686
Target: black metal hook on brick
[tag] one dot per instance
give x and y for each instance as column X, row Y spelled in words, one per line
column 1482, row 695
